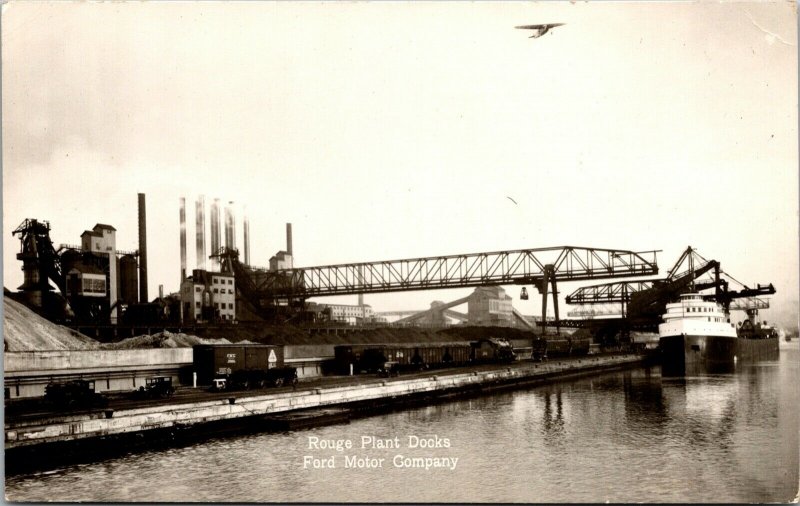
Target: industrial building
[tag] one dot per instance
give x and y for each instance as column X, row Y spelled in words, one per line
column 96, row 282
column 489, row 305
column 350, row 314
column 100, row 280
column 486, row 306
column 208, row 297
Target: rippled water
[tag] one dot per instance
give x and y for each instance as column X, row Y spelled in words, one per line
column 620, row 437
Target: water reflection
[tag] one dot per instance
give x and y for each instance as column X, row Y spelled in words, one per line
column 553, row 418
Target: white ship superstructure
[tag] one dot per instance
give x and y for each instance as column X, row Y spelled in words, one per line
column 693, row 316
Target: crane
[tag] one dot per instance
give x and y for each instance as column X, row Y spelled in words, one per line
column 643, row 302
column 269, row 290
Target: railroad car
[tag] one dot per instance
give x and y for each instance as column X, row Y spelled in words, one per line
column 568, row 347
column 371, row 358
column 241, row 366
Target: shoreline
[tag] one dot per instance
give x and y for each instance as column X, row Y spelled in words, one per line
column 88, row 437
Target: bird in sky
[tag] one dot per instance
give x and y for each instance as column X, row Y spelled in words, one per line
column 539, row 30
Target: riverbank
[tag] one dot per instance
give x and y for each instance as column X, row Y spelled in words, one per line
column 30, row 442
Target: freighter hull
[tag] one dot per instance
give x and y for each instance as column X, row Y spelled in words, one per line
column 698, row 354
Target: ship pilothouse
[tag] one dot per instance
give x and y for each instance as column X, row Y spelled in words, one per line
column 692, row 315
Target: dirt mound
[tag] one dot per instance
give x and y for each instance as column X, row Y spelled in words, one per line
column 24, row 330
column 163, row 339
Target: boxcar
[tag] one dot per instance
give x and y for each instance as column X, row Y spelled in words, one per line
column 215, row 360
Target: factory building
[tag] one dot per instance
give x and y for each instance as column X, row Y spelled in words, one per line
column 281, row 260
column 208, row 297
column 99, row 279
column 350, row 314
column 102, row 240
column 92, row 275
column 489, row 305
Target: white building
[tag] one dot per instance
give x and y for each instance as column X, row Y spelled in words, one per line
column 350, row 314
column 209, row 297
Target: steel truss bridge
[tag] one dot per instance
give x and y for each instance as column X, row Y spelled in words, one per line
column 536, row 267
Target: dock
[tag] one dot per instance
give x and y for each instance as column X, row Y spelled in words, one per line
column 256, row 411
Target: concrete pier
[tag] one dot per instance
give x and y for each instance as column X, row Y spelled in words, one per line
column 46, row 430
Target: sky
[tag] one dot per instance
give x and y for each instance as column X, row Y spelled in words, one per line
column 394, row 130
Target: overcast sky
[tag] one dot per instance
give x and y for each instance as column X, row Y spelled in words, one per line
column 395, row 130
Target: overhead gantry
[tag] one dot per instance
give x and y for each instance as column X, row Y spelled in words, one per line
column 643, row 302
column 540, row 267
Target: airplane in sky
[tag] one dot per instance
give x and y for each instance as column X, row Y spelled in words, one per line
column 539, row 30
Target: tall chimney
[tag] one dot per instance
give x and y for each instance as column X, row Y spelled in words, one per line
column 289, row 238
column 215, row 232
column 228, row 234
column 246, row 228
column 183, row 239
column 233, row 225
column 142, row 250
column 200, row 227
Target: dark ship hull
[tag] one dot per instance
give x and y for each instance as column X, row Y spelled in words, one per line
column 684, row 355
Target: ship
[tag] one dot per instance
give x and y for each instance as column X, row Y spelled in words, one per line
column 697, row 337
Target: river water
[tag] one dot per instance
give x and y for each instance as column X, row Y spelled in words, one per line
column 627, row 436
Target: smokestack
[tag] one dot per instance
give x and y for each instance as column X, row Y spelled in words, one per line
column 246, row 237
column 183, row 239
column 160, row 291
column 215, row 232
column 289, row 238
column 228, row 233
column 200, row 227
column 233, row 225
column 142, row 250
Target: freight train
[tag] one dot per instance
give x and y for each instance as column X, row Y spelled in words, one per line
column 375, row 358
column 247, row 366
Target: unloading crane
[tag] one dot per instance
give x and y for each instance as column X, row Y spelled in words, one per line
column 643, row 302
column 267, row 290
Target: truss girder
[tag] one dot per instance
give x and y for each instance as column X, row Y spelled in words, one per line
column 607, row 293
column 749, row 303
column 621, row 291
column 457, row 271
